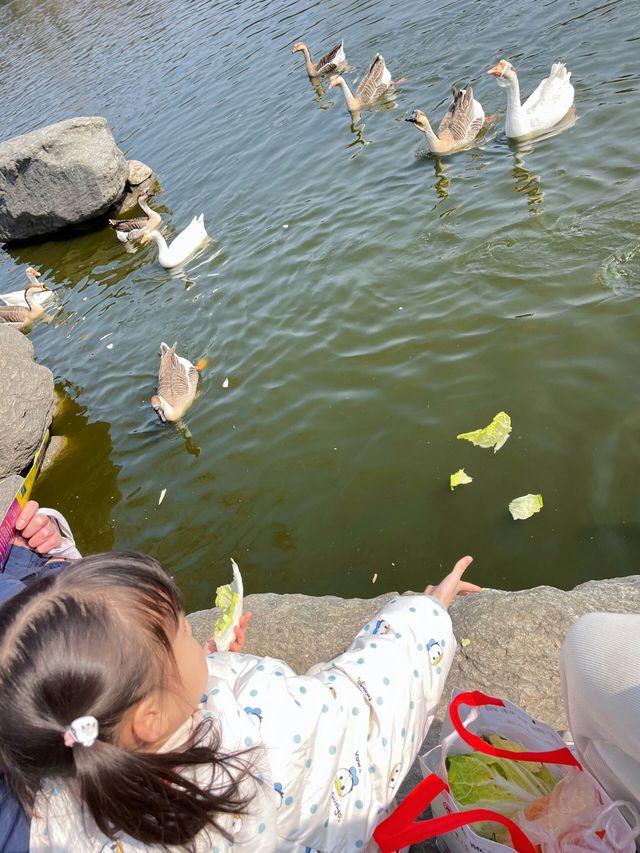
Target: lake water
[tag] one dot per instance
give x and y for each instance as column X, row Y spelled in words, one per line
column 406, row 300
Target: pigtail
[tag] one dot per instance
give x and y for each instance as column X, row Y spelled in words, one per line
column 153, row 797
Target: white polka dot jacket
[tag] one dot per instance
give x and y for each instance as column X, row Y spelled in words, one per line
column 330, row 748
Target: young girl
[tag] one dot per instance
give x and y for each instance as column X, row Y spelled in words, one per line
column 118, row 732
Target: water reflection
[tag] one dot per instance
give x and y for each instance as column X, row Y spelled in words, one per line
column 87, row 499
column 527, row 183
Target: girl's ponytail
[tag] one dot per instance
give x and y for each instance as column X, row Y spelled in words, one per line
column 92, row 642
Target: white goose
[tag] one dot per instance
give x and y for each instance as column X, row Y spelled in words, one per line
column 20, row 316
column 19, row 297
column 181, row 247
column 544, row 107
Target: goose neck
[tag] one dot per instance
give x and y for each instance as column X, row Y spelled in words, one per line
column 352, row 103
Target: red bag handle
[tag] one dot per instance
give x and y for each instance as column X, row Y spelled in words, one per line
column 475, row 699
column 401, row 829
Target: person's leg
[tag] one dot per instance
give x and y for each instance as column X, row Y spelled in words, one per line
column 600, row 672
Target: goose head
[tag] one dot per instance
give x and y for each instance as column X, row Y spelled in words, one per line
column 420, row 120
column 334, row 81
column 32, row 275
column 299, row 45
column 158, row 405
column 504, row 72
column 31, row 289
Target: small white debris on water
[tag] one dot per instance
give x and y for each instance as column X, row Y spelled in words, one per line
column 225, row 384
column 400, row 308
column 104, row 337
column 393, row 564
column 162, row 494
column 109, row 346
column 285, row 226
column 374, row 578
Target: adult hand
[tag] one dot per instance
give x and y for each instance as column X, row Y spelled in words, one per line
column 240, row 631
column 36, row 530
column 453, row 585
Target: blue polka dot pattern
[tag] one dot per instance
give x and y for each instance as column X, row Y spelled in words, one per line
column 253, row 693
column 384, row 741
column 332, row 750
column 379, row 700
column 308, row 763
column 359, row 845
column 420, row 647
column 313, row 809
column 436, row 612
column 416, row 674
column 325, row 708
column 443, row 643
column 412, row 609
column 288, row 801
column 278, row 672
column 366, row 627
column 248, row 741
column 385, row 680
column 398, row 636
column 260, row 667
column 303, row 690
column 359, row 804
column 412, row 705
column 403, row 732
column 372, row 769
column 297, row 738
column 261, row 828
column 374, row 645
column 360, row 660
column 214, row 692
column 355, row 711
column 332, row 678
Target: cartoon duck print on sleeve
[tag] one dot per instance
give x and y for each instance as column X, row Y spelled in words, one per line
column 436, row 654
column 346, row 780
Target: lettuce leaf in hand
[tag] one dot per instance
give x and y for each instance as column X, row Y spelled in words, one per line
column 229, row 600
column 493, row 435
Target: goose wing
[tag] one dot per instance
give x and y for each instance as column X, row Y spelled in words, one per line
column 173, row 379
column 332, row 60
column 463, row 119
column 553, row 97
column 13, row 314
column 131, row 228
column 376, row 81
column 190, row 238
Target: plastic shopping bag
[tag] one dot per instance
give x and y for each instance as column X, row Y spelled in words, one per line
column 599, row 828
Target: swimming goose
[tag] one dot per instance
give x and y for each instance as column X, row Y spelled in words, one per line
column 544, row 107
column 182, row 246
column 374, row 83
column 19, row 315
column 128, row 230
column 177, row 384
column 327, row 65
column 17, row 297
column 462, row 122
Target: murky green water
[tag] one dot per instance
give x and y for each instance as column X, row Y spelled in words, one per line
column 359, row 340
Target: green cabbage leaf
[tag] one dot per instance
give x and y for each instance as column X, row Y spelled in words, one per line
column 505, row 785
column 459, row 479
column 525, row 507
column 493, row 435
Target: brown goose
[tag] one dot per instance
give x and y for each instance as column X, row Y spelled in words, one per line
column 374, row 83
column 129, row 230
column 327, row 65
column 18, row 315
column 17, row 297
column 462, row 122
column 177, row 384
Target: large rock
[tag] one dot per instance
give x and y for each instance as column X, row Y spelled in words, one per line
column 58, row 176
column 27, row 401
column 508, row 642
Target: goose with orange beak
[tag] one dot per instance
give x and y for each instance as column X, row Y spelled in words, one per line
column 19, row 297
column 544, row 107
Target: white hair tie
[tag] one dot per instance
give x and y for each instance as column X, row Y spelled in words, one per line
column 83, row 730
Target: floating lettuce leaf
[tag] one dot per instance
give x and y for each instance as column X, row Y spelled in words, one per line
column 526, row 506
column 502, row 784
column 229, row 600
column 493, row 435
column 459, row 479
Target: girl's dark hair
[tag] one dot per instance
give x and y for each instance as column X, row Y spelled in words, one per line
column 95, row 640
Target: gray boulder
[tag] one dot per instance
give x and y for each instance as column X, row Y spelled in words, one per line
column 58, row 176
column 27, row 401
